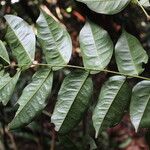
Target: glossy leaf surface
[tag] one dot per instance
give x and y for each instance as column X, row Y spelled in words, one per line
column 21, row 39
column 112, row 102
column 106, row 6
column 54, row 40
column 33, row 98
column 73, row 100
column 140, row 105
column 7, row 86
column 96, row 46
column 130, row 54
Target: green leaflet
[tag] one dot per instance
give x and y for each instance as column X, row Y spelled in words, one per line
column 54, row 40
column 7, row 86
column 21, row 39
column 130, row 54
column 112, row 102
column 106, row 6
column 140, row 105
column 73, row 100
column 33, row 98
column 96, row 47
column 3, row 53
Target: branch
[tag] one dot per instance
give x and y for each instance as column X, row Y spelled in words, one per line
column 79, row 67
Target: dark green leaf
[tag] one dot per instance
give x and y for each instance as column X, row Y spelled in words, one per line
column 112, row 102
column 73, row 100
column 54, row 40
column 33, row 98
column 106, row 6
column 96, row 46
column 140, row 105
column 130, row 54
column 21, row 39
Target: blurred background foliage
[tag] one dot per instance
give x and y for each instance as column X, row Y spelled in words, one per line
column 40, row 134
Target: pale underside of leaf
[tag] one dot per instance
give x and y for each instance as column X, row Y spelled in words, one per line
column 73, row 100
column 112, row 102
column 106, row 6
column 96, row 47
column 3, row 53
column 7, row 86
column 140, row 105
column 33, row 98
column 21, row 39
column 54, row 40
column 130, row 54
